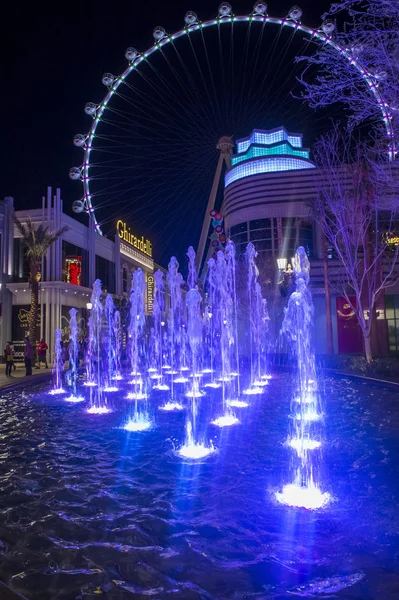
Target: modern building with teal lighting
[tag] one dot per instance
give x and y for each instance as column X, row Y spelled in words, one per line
column 268, row 152
column 267, row 197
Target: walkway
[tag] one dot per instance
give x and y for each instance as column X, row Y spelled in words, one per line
column 18, row 376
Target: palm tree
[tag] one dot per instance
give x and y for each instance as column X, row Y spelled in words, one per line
column 37, row 241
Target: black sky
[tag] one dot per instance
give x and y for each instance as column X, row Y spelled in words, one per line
column 54, row 56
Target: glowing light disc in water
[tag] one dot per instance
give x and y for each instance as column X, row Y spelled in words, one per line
column 111, row 388
column 74, row 399
column 301, row 445
column 181, row 380
column 135, row 374
column 238, row 403
column 224, row 378
column 171, row 372
column 162, row 387
column 225, row 421
column 266, row 376
column 139, row 424
column 136, row 396
column 171, row 406
column 261, row 383
column 309, row 497
column 206, row 371
column 156, row 376
column 234, row 374
column 98, row 410
column 90, row 383
column 194, row 394
column 166, row 367
column 152, row 370
column 117, row 378
column 253, row 391
column 197, row 375
column 213, row 384
column 57, row 391
column 184, row 368
column 136, row 382
column 196, row 451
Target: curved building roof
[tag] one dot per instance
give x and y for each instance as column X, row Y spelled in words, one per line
column 270, row 151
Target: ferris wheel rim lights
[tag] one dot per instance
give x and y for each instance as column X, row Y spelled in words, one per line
column 324, row 34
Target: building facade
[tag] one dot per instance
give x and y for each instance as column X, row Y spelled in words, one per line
column 69, row 269
column 268, row 193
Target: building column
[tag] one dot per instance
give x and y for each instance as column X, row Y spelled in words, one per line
column 92, row 252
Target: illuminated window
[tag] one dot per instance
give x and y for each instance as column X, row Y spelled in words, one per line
column 269, row 137
column 73, row 270
column 75, row 264
column 280, row 149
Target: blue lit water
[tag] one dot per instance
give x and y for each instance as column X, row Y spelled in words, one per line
column 88, row 510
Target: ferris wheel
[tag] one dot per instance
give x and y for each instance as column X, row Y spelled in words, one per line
column 150, row 149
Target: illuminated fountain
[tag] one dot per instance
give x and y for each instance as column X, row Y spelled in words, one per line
column 176, row 331
column 256, row 323
column 230, row 253
column 223, row 330
column 111, row 365
column 58, row 367
column 158, row 308
column 73, row 357
column 95, row 356
column 193, row 447
column 306, row 419
column 118, row 344
column 139, row 419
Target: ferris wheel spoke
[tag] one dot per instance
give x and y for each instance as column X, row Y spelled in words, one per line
column 197, row 169
column 188, row 97
column 162, row 119
column 205, row 86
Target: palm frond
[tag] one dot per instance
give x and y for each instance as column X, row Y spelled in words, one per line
column 37, row 240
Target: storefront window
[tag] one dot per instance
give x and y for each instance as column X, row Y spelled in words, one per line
column 20, row 270
column 124, row 280
column 105, row 271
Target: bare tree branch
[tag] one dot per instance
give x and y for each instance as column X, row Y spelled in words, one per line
column 356, row 205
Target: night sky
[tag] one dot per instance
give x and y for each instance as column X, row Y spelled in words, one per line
column 54, row 57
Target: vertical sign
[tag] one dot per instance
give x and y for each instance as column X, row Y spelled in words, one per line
column 150, row 293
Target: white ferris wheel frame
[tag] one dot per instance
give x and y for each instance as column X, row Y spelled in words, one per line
column 162, row 39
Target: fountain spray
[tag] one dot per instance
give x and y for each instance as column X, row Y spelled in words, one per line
column 306, row 422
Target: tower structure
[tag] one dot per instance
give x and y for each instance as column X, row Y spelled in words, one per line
column 225, row 145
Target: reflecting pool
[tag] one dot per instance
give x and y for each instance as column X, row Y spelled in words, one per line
column 89, row 508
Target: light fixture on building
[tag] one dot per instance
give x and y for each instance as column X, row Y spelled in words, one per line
column 281, row 263
column 89, row 305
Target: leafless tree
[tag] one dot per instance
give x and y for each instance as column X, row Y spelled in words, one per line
column 357, row 202
column 364, row 75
